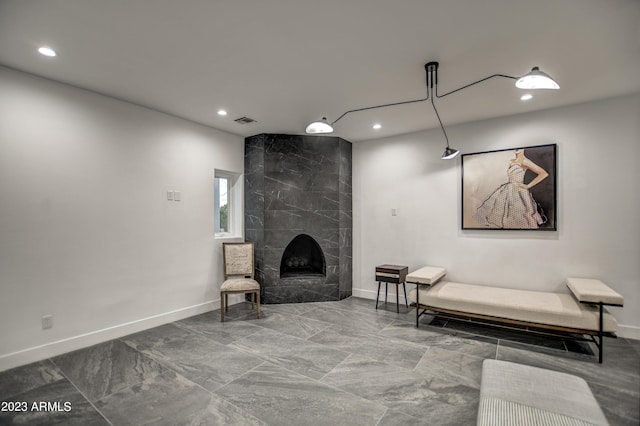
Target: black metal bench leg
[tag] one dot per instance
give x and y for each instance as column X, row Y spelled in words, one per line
column 601, row 334
column 417, row 305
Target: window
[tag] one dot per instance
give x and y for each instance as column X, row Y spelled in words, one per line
column 222, row 204
column 227, row 204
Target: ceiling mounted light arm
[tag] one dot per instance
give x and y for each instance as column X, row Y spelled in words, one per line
column 536, row 79
column 432, row 79
column 533, row 80
column 384, row 105
column 471, row 84
column 378, row 106
column 449, row 153
column 323, row 126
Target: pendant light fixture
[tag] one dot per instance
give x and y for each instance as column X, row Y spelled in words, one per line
column 320, row 126
column 533, row 80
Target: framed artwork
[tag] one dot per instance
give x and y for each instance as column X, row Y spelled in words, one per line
column 512, row 189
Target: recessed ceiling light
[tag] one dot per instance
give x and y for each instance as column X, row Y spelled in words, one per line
column 377, row 126
column 526, row 97
column 47, row 51
column 222, row 112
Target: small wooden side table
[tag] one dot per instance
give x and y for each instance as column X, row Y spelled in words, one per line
column 394, row 274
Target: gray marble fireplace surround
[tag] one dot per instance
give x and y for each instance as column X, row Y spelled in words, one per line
column 298, row 202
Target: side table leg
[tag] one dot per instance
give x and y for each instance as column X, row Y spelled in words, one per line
column 378, row 295
column 397, row 298
column 386, row 289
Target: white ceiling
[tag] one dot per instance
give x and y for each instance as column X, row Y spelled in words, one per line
column 285, row 63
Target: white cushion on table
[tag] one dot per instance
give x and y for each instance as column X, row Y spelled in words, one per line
column 426, row 275
column 594, row 291
column 558, row 309
column 239, row 284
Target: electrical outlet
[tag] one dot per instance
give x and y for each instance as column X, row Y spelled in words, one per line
column 47, row 322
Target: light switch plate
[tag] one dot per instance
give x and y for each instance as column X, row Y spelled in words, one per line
column 47, row 322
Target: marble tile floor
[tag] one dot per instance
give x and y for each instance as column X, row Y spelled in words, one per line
column 327, row 363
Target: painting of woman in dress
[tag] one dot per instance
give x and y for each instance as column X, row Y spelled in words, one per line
column 516, row 197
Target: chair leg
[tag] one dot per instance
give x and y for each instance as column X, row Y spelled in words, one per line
column 222, row 307
column 257, row 295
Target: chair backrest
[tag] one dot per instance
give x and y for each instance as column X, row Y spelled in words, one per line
column 238, row 259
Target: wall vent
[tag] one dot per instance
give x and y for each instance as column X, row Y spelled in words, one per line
column 244, row 120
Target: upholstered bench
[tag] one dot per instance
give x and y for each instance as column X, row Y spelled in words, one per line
column 581, row 312
column 515, row 394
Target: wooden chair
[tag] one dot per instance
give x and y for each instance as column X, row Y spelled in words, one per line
column 239, row 267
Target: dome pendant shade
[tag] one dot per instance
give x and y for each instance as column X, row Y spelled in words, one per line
column 450, row 153
column 320, row 126
column 536, row 79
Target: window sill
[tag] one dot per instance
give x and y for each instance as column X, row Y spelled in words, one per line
column 227, row 236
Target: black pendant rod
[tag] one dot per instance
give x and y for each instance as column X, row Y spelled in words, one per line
column 431, row 69
column 471, row 84
column 378, row 106
column 432, row 80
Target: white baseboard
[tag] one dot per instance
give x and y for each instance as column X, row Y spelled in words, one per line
column 48, row 350
column 628, row 331
column 365, row 294
column 372, row 294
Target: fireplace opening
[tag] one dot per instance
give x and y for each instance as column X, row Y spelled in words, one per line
column 302, row 257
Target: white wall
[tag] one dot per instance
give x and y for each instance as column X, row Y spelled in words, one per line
column 88, row 236
column 86, row 232
column 598, row 204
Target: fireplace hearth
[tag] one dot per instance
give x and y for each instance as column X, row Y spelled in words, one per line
column 298, row 215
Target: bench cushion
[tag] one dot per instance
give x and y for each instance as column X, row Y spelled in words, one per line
column 513, row 393
column 594, row 291
column 556, row 309
column 426, row 275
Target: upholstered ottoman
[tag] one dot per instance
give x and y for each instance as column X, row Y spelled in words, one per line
column 515, row 394
column 427, row 275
